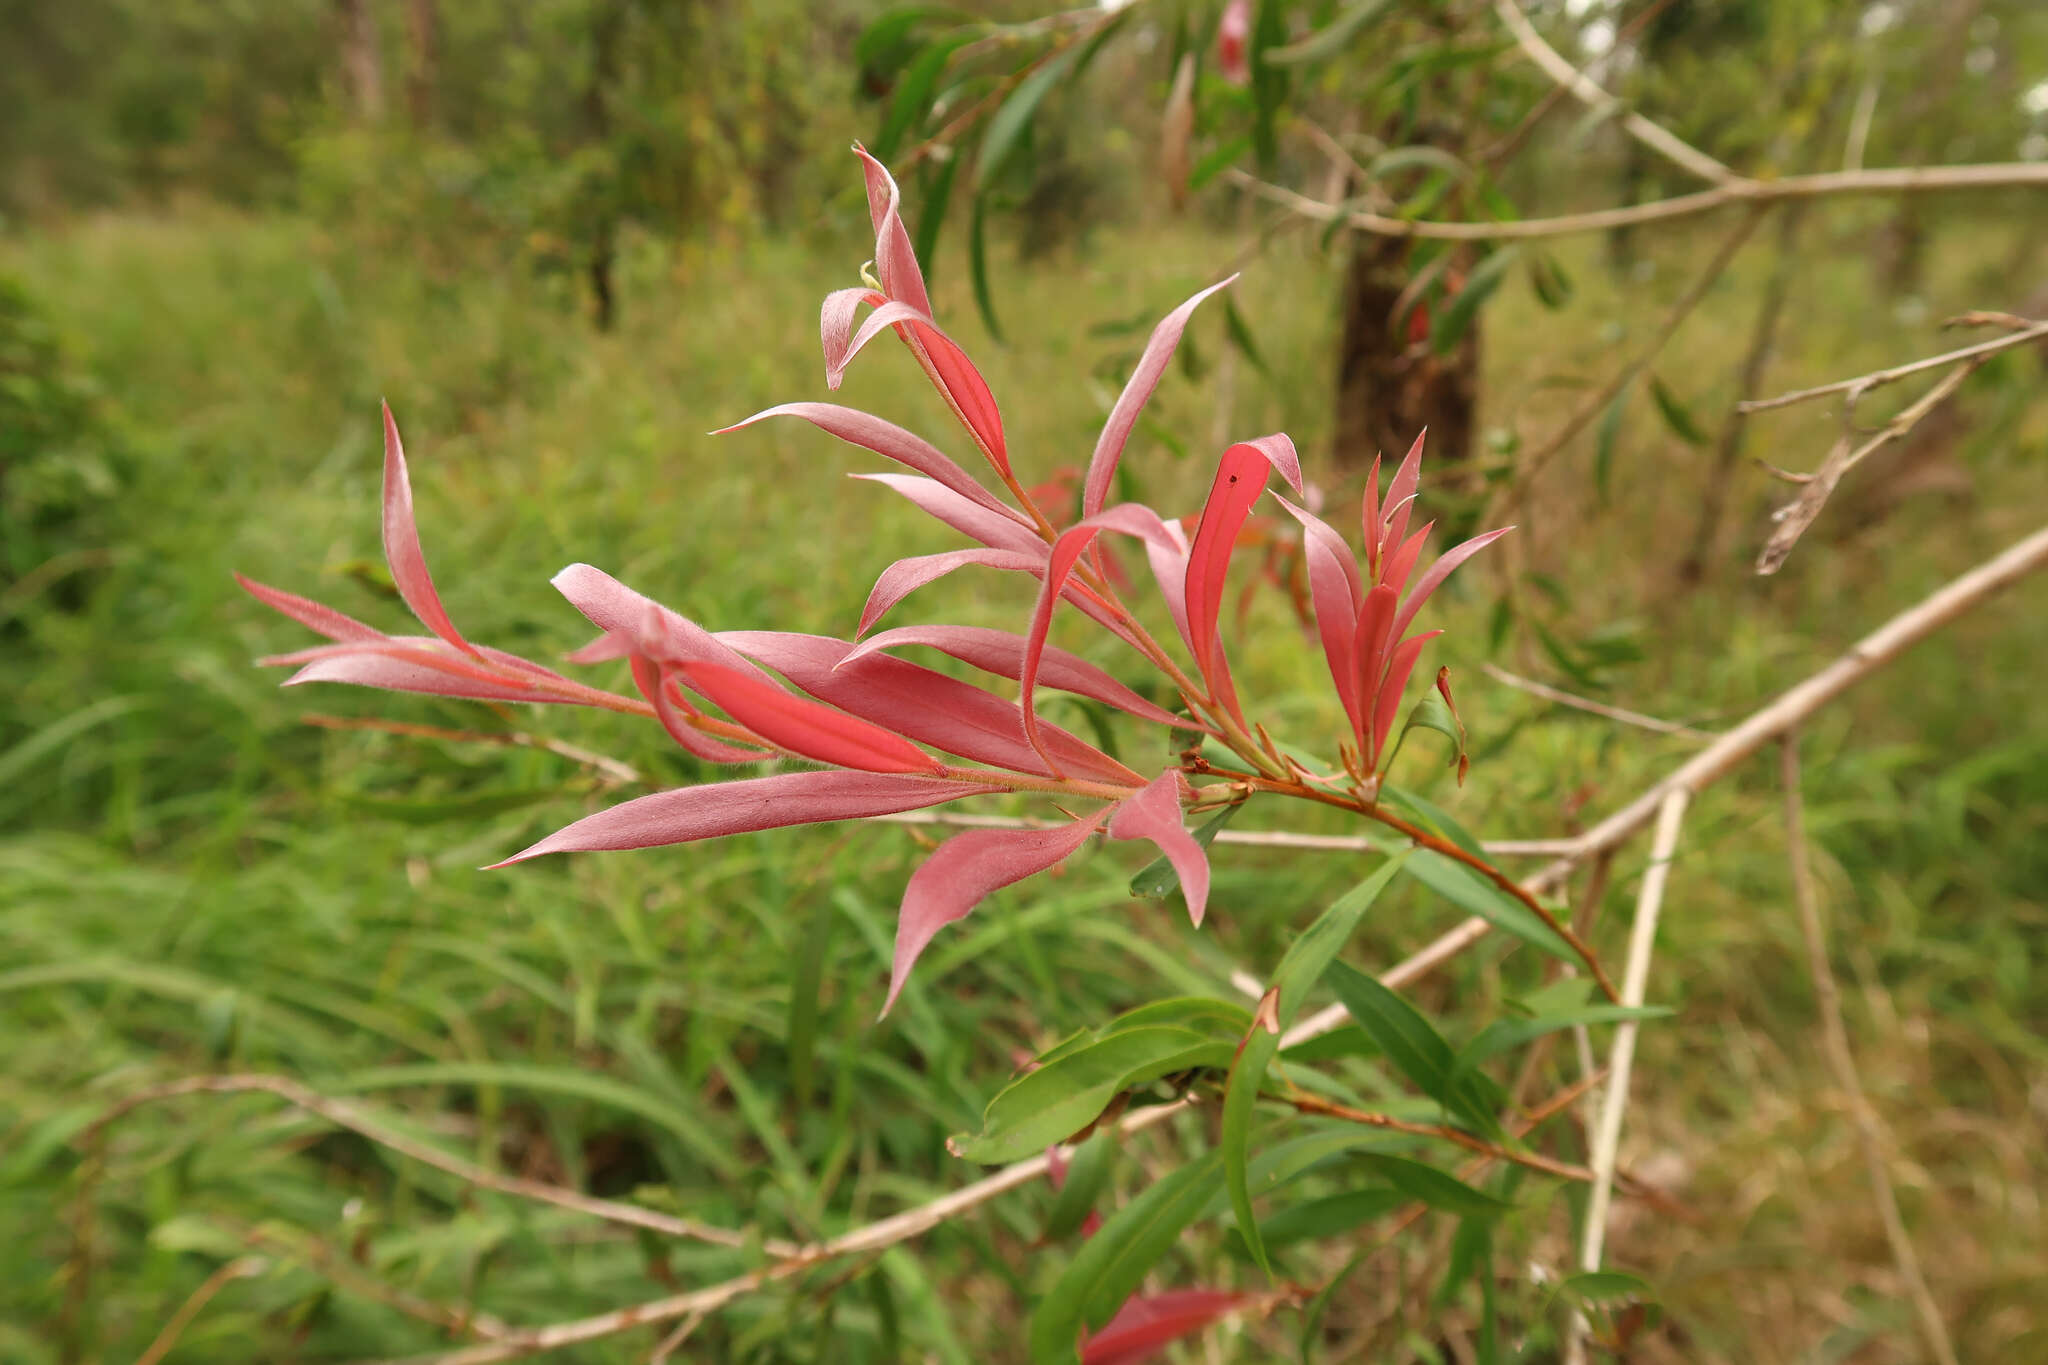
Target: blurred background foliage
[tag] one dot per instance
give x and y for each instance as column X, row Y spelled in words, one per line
column 564, row 237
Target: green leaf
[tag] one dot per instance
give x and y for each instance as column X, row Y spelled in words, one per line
column 1269, row 82
column 1552, row 285
column 1505, row 1035
column 1087, row 1173
column 1676, row 415
column 931, row 212
column 1216, row 161
column 1241, row 337
column 1328, row 1217
column 977, row 267
column 1331, row 38
column 1007, row 124
column 1413, row 158
column 1432, row 817
column 806, row 989
column 1603, row 450
column 889, row 33
column 1601, row 1286
column 1456, row 318
column 1111, row 1265
column 1302, row 966
column 1434, row 1188
column 1225, row 1020
column 1157, row 879
column 1432, row 713
column 1415, row 1047
column 1066, row 1095
column 1468, row 891
column 915, row 92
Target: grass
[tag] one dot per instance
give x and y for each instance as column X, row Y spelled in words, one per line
column 192, row 879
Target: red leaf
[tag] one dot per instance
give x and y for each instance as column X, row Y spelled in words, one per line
column 309, row 613
column 402, row 544
column 964, row 872
column 806, row 727
column 1240, row 479
column 1334, row 587
column 889, row 441
column 1232, row 31
column 1374, row 637
column 1401, row 562
column 835, row 324
column 1369, row 519
column 922, row 704
column 1398, row 668
column 964, row 515
column 649, row 628
column 1001, row 652
column 906, row 576
column 1401, row 493
column 714, row 810
column 1147, row 1323
column 1434, row 577
column 405, row 664
column 1154, row 814
column 671, row 710
column 1109, row 447
column 895, row 260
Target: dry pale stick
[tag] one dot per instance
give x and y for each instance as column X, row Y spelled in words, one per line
column 1586, row 704
column 1863, row 383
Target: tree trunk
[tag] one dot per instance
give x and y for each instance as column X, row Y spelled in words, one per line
column 1388, row 387
column 423, row 38
column 362, row 62
column 605, row 32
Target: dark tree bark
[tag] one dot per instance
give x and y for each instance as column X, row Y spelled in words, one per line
column 362, row 61
column 423, row 39
column 1389, row 388
column 606, row 30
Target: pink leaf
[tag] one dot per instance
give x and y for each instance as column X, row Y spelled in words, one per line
column 888, row 314
column 1109, row 447
column 1240, row 479
column 1334, row 587
column 1154, row 814
column 398, row 669
column 309, row 613
column 716, row 809
column 835, row 323
column 1399, row 666
column 965, row 871
column 1401, row 562
column 672, row 712
column 889, row 441
column 1169, row 565
column 402, row 544
column 652, row 629
column 906, row 576
column 895, row 260
column 922, row 704
column 1369, row 519
column 962, row 386
column 1147, row 1323
column 1375, row 635
column 964, row 515
column 1001, row 652
column 1233, row 30
column 1433, row 578
column 806, row 727
column 1401, row 493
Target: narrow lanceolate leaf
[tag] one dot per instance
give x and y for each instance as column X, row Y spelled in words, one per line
column 922, row 704
column 1433, row 577
column 402, row 544
column 1154, row 815
column 1433, row 1187
column 1456, row 319
column 1400, row 665
column 1373, row 639
column 1105, row 1272
column 963, row 514
column 965, row 871
column 405, row 664
column 712, row 811
column 1001, row 652
column 807, row 727
column 1504, row 1035
column 647, row 627
column 1240, row 479
column 674, row 712
column 313, row 615
column 1116, row 432
column 1334, row 591
column 1157, row 879
column 1064, row 1095
column 1470, row 892
column 1409, row 1041
column 889, row 441
column 906, row 576
column 1146, row 1323
column 1299, row 970
column 1080, row 1188
column 1676, row 414
column 895, row 261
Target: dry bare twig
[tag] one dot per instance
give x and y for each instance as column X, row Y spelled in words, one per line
column 1835, row 1043
column 1626, row 717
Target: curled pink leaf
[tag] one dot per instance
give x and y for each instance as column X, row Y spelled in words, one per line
column 1154, row 815
column 806, row 727
column 642, row 624
column 906, row 576
column 689, row 814
column 674, row 712
column 889, row 441
column 965, row 871
column 402, row 544
column 313, row 615
column 1116, row 432
column 895, row 260
column 835, row 325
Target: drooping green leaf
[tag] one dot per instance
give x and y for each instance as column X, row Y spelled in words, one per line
column 1300, row 968
column 1331, row 39
column 1065, row 1095
column 1110, row 1266
column 1224, row 1020
column 1552, row 285
column 1269, row 81
column 1431, row 817
column 1241, row 337
column 887, row 40
column 1087, row 1173
column 806, row 988
column 1468, row 891
column 1456, row 318
column 1217, row 160
column 1330, row 1216
column 977, row 266
column 1434, row 1188
column 931, row 213
column 915, row 91
column 1415, row 1048
column 1505, row 1035
column 1604, row 442
column 1417, row 157
column 1675, row 413
column 1431, row 713
column 1006, row 126
column 1604, row 1286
